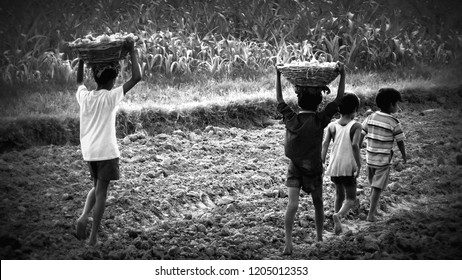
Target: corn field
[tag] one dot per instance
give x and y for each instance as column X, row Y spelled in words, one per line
column 187, row 39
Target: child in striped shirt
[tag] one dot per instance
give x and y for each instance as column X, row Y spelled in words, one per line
column 381, row 130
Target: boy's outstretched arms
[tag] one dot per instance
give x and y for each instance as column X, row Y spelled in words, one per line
column 279, row 97
column 136, row 71
column 402, row 150
column 80, row 73
column 341, row 85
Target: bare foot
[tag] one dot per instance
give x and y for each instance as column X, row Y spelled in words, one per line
column 92, row 242
column 81, row 229
column 288, row 250
column 371, row 219
column 96, row 245
column 337, row 224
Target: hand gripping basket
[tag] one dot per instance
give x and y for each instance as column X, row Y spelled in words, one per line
column 105, row 49
column 309, row 74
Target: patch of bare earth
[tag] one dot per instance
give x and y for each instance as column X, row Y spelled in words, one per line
column 219, row 193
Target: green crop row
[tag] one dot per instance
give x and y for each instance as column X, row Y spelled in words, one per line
column 228, row 38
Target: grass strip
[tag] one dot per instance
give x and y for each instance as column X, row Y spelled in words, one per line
column 250, row 112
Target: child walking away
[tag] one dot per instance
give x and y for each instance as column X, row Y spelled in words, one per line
column 381, row 129
column 98, row 135
column 344, row 162
column 304, row 132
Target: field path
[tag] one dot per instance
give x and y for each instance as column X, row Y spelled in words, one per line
column 218, row 193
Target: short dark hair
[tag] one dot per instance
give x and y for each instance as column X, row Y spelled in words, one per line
column 386, row 97
column 309, row 98
column 106, row 76
column 348, row 104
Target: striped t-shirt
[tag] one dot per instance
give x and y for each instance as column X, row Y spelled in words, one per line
column 381, row 131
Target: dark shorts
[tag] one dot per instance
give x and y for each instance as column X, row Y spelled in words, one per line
column 105, row 170
column 297, row 178
column 346, row 184
column 344, row 180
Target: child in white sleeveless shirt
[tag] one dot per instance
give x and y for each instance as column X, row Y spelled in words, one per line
column 344, row 162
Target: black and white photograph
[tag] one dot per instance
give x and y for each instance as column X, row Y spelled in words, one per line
column 276, row 131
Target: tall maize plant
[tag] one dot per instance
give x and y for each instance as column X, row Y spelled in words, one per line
column 228, row 38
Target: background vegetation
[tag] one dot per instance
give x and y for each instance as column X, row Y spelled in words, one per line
column 209, row 71
column 182, row 41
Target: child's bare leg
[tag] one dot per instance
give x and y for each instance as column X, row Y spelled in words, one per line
column 339, row 197
column 292, row 207
column 350, row 190
column 343, row 211
column 337, row 223
column 375, row 196
column 100, row 195
column 81, row 226
column 316, row 196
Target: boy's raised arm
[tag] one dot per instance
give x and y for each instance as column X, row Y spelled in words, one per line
column 279, row 97
column 136, row 71
column 341, row 85
column 80, row 73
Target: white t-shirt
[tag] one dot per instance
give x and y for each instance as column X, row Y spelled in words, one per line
column 97, row 122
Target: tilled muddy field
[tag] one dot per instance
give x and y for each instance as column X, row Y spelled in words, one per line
column 219, row 193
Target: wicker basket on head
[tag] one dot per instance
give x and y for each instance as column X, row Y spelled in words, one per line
column 309, row 74
column 101, row 52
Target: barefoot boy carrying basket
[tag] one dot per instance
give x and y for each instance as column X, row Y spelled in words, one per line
column 98, row 141
column 304, row 133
